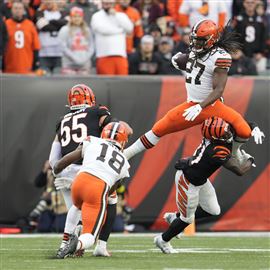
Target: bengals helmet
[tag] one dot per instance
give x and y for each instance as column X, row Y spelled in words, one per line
column 115, row 132
column 215, row 128
column 81, row 96
column 204, row 35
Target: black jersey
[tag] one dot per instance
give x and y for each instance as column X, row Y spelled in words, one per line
column 76, row 126
column 208, row 157
column 253, row 33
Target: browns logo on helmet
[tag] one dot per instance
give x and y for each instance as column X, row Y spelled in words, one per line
column 215, row 128
column 81, row 96
column 203, row 36
column 115, row 132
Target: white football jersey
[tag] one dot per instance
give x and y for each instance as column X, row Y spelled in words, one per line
column 104, row 160
column 199, row 73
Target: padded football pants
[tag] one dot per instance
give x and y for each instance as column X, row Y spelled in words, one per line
column 188, row 197
column 174, row 121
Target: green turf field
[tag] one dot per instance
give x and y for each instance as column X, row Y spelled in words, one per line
column 198, row 252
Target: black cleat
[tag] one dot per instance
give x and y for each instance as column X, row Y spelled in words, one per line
column 69, row 249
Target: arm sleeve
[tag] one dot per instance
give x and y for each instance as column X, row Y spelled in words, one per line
column 222, row 60
column 55, row 153
column 124, row 22
column 220, row 154
column 109, row 29
column 63, row 36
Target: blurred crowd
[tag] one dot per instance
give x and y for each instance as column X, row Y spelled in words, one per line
column 121, row 37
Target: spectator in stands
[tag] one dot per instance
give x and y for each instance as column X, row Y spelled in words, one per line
column 156, row 33
column 242, row 65
column 88, row 7
column 3, row 40
column 29, row 12
column 171, row 30
column 145, row 61
column 49, row 20
column 191, row 12
column 21, row 53
column 133, row 39
column 110, row 28
column 62, row 6
column 237, row 6
column 5, row 9
column 165, row 53
column 49, row 215
column 183, row 45
column 150, row 11
column 77, row 45
column 253, row 31
column 173, row 7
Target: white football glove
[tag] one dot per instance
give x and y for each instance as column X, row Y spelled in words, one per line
column 192, row 112
column 62, row 183
column 174, row 62
column 258, row 135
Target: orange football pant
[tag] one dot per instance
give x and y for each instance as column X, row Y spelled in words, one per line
column 90, row 194
column 174, row 121
column 112, row 65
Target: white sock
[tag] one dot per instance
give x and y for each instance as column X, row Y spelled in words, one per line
column 102, row 244
column 73, row 217
column 86, row 240
column 146, row 141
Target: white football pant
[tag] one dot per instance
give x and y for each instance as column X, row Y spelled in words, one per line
column 188, row 197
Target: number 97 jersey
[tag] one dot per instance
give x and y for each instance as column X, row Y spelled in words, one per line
column 104, row 160
column 199, row 73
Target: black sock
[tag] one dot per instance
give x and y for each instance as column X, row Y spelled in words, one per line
column 107, row 226
column 175, row 228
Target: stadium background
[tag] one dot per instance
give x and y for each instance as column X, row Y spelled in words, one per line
column 31, row 106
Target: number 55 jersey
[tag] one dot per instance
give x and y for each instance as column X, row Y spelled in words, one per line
column 104, row 160
column 199, row 73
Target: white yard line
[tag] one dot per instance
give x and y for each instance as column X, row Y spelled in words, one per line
column 211, row 234
column 156, row 250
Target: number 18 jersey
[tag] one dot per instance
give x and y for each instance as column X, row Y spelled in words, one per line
column 104, row 160
column 199, row 73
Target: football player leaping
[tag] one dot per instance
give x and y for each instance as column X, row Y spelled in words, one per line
column 85, row 118
column 192, row 184
column 206, row 68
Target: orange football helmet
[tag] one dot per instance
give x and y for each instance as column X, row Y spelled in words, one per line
column 215, row 128
column 204, row 35
column 115, row 132
column 81, row 96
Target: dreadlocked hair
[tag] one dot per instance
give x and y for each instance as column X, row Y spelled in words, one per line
column 229, row 40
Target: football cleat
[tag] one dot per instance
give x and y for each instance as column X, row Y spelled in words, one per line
column 164, row 246
column 101, row 252
column 69, row 248
column 169, row 217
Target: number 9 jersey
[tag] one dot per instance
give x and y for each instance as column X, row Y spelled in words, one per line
column 104, row 160
column 199, row 73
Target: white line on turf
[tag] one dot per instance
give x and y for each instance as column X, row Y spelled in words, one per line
column 180, row 250
column 211, row 234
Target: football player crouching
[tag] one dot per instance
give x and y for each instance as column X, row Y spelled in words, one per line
column 192, row 184
column 103, row 166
